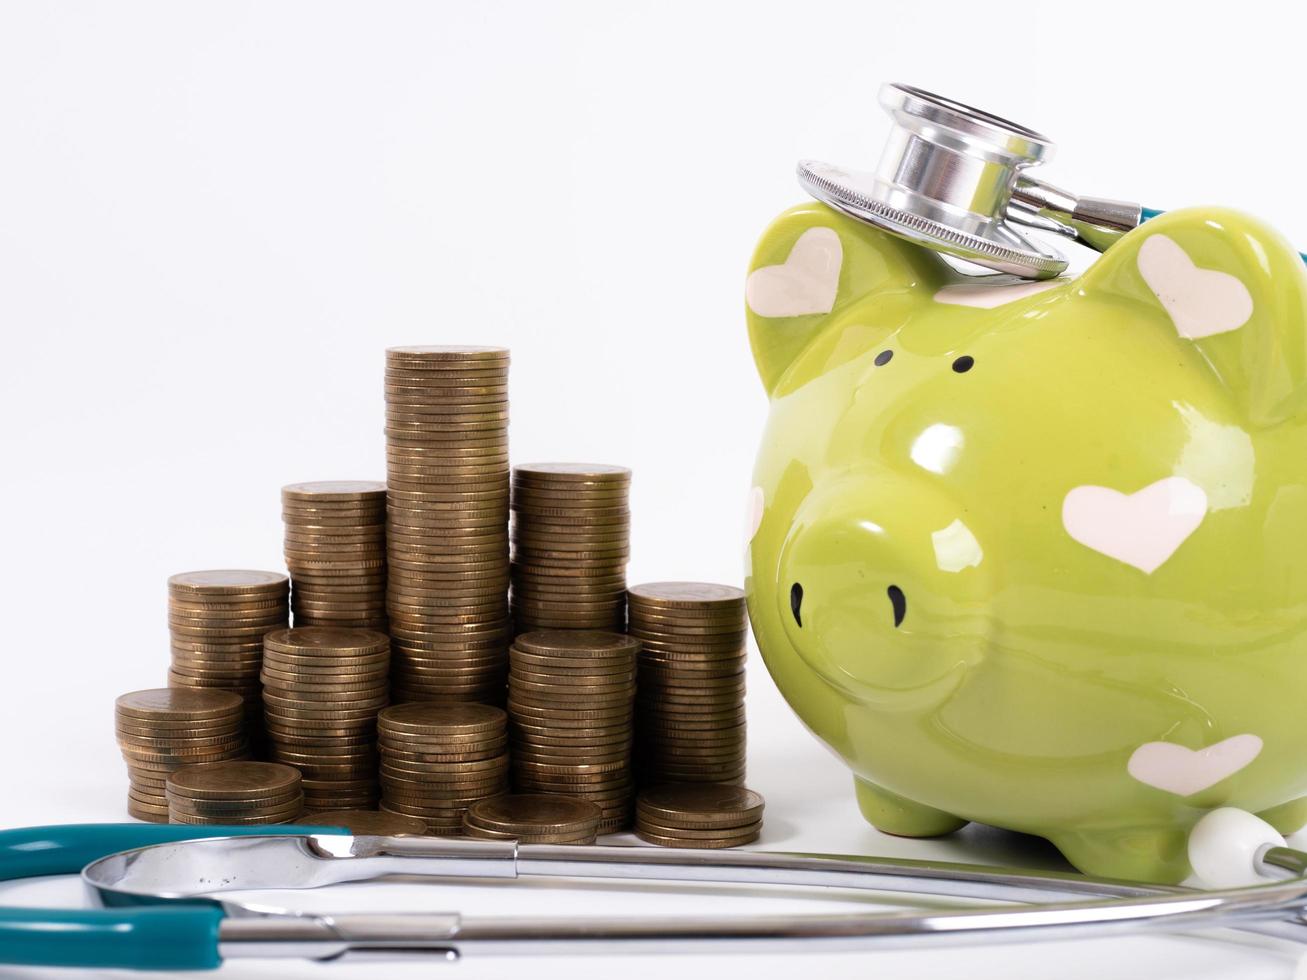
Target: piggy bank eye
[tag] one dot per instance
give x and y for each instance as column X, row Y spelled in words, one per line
column 884, row 357
column 963, row 364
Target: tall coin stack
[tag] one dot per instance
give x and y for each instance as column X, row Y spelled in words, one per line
column 322, row 689
column 690, row 707
column 439, row 759
column 571, row 543
column 161, row 730
column 570, row 706
column 447, row 521
column 217, row 620
column 336, row 552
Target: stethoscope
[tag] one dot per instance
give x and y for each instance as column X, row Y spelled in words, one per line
column 955, row 179
column 162, row 886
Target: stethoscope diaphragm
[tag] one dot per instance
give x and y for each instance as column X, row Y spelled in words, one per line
column 952, row 179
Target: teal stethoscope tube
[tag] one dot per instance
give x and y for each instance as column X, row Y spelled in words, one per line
column 176, row 937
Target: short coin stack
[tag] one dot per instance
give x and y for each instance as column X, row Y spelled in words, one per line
column 161, row 730
column 447, row 521
column 571, row 543
column 335, row 547
column 235, row 793
column 690, row 710
column 570, row 704
column 533, row 818
column 439, row 759
column 698, row 815
column 322, row 689
column 217, row 620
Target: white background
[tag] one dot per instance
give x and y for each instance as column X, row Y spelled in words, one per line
column 214, row 217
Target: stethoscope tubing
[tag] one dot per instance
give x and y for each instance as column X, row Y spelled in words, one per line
column 1081, row 907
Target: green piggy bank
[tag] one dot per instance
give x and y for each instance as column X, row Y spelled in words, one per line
column 1035, row 554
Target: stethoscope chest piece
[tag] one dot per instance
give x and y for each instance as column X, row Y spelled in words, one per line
column 952, row 179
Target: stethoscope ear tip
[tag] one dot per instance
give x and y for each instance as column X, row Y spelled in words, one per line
column 1226, row 847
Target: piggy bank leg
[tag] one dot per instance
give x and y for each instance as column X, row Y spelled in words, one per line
column 1156, row 854
column 892, row 814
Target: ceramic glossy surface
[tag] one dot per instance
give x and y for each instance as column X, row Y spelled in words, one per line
column 1033, row 554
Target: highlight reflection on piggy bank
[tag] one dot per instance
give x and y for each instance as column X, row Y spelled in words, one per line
column 1035, row 554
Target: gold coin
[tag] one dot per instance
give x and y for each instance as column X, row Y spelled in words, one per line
column 251, row 781
column 313, row 641
column 582, row 644
column 535, row 813
column 691, row 595
column 447, row 353
column 334, row 491
column 425, row 719
column 581, row 472
column 227, row 582
column 174, row 704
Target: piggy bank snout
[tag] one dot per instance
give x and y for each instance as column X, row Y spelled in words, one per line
column 876, row 578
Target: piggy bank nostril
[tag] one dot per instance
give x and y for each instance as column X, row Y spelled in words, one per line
column 900, row 603
column 796, row 601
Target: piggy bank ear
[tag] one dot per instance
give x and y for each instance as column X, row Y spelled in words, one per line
column 814, row 263
column 1231, row 287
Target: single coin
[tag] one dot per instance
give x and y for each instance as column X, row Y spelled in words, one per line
column 723, row 842
column 583, row 472
column 234, row 780
column 447, row 353
column 700, row 804
column 748, row 830
column 687, row 595
column 334, row 490
column 579, row 644
column 226, row 581
column 427, row 719
column 177, row 704
column 314, row 640
column 535, row 813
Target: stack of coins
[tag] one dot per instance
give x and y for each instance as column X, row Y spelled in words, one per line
column 571, row 543
column 439, row 759
column 336, row 552
column 698, row 815
column 690, row 710
column 217, row 620
column 366, row 823
column 571, row 711
column 533, row 818
column 235, row 793
column 322, row 689
column 447, row 521
column 161, row 730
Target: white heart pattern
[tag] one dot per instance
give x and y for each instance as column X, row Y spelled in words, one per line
column 1201, row 302
column 1143, row 528
column 1184, row 771
column 806, row 282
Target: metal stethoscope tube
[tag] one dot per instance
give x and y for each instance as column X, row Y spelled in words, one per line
column 1064, row 905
